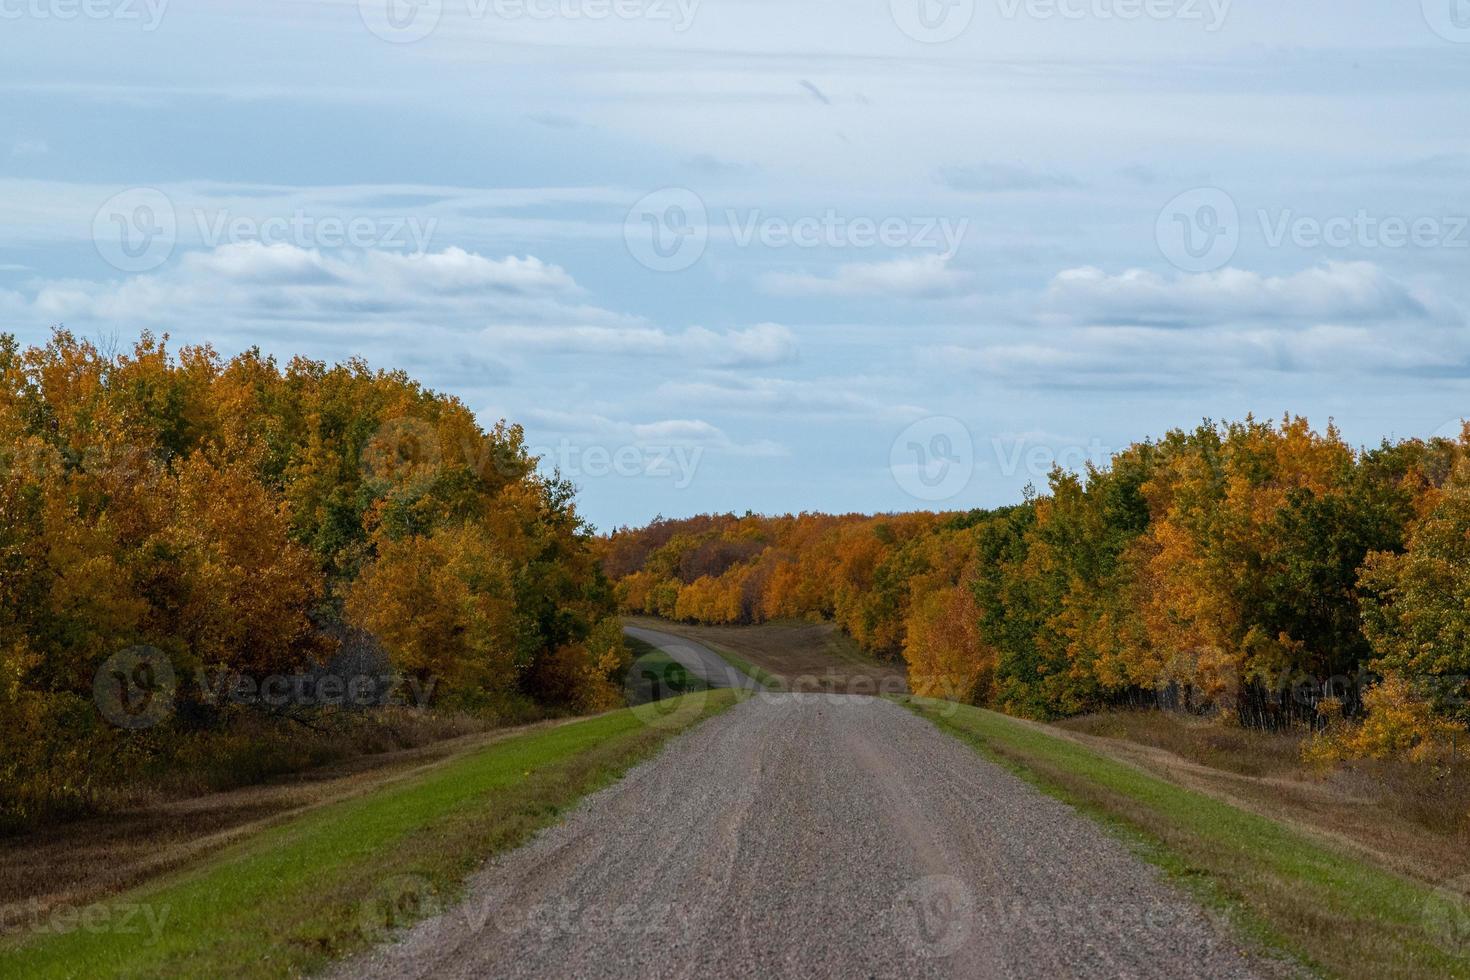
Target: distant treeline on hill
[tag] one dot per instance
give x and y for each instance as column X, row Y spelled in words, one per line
column 1268, row 572
column 169, row 520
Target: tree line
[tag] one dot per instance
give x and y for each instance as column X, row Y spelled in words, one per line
column 241, row 518
column 1266, row 571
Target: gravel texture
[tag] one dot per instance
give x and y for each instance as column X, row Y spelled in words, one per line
column 817, row 835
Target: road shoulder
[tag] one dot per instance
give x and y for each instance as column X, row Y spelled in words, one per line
column 1315, row 902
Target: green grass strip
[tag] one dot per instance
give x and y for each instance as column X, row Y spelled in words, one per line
column 1320, row 903
column 290, row 899
column 654, row 675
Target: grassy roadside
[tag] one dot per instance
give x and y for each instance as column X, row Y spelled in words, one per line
column 1293, row 891
column 792, row 655
column 655, row 675
column 764, row 678
column 651, row 666
column 294, row 897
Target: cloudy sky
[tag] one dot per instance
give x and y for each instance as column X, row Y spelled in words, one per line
column 844, row 255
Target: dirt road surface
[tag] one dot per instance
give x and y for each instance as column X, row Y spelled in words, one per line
column 803, row 655
column 697, row 658
column 817, row 835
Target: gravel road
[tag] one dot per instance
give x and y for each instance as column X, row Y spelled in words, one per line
column 817, row 835
column 699, row 659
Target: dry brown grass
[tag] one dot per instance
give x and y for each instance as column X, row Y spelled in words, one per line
column 1412, row 818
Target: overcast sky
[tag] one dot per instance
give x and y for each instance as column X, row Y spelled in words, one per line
column 841, row 255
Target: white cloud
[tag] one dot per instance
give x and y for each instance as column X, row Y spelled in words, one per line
column 808, row 398
column 1149, row 358
column 922, row 277
column 48, row 212
column 594, row 429
column 1344, row 291
column 251, row 284
column 761, row 345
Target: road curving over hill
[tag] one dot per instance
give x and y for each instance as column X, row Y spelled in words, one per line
column 697, row 658
column 817, row 836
